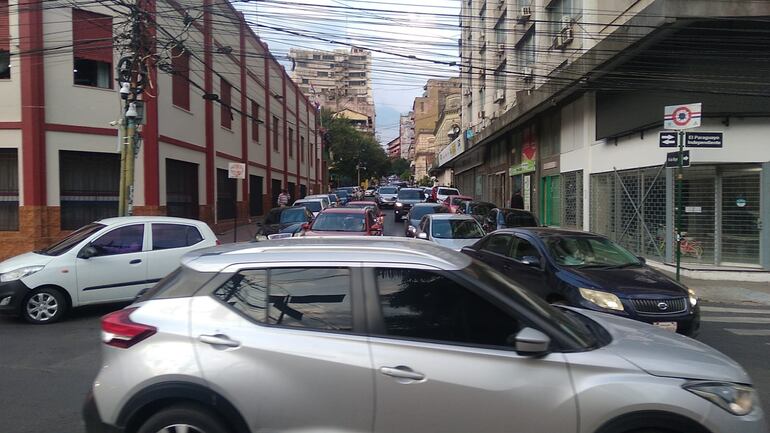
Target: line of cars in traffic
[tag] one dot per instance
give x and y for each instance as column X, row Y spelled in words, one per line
column 519, row 309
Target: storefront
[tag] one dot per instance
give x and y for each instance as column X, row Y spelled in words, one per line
column 522, row 170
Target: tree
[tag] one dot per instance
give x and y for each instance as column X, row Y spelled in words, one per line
column 406, row 175
column 425, row 181
column 398, row 166
column 348, row 147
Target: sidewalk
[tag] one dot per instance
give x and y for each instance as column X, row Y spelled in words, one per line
column 725, row 291
column 246, row 232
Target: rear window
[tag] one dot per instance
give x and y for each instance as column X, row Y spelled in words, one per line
column 168, row 236
column 419, row 212
column 312, row 206
column 410, row 194
column 180, row 283
column 388, row 190
column 519, row 219
column 447, row 191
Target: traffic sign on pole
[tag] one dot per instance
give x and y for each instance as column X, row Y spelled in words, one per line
column 672, row 159
column 667, row 138
column 680, row 117
column 704, row 139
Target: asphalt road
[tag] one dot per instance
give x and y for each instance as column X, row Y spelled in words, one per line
column 46, row 371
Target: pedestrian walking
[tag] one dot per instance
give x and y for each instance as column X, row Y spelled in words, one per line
column 283, row 198
column 517, row 201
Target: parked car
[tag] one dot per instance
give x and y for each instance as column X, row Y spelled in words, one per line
column 283, row 221
column 368, row 204
column 418, row 211
column 439, row 193
column 369, row 191
column 333, row 200
column 590, row 271
column 450, row 230
column 498, row 219
column 107, row 261
column 314, row 205
column 453, row 202
column 353, row 331
column 323, row 197
column 342, row 197
column 406, row 198
column 386, row 196
column 476, row 209
column 344, row 222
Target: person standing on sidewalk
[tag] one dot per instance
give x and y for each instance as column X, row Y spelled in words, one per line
column 283, row 198
column 517, row 201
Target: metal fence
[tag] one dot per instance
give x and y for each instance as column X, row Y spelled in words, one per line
column 572, row 199
column 629, row 207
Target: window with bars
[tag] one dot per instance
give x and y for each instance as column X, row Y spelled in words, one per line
column 572, row 199
column 89, row 187
column 9, row 190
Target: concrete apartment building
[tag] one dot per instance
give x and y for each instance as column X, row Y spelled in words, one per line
column 427, row 109
column 564, row 101
column 339, row 80
column 394, row 148
column 59, row 160
column 406, row 133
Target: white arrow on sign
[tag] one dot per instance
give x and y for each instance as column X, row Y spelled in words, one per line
column 668, row 139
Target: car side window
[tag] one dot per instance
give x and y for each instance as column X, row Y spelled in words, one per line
column 167, row 236
column 423, row 224
column 523, row 248
column 311, row 298
column 122, row 240
column 370, row 218
column 426, row 305
column 498, row 244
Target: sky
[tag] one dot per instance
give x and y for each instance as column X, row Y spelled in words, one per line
column 392, row 29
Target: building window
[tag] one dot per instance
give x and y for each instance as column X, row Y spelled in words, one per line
column 305, row 81
column 227, row 192
column 322, row 74
column 302, row 148
column 562, row 11
column 255, row 194
column 181, row 189
column 89, row 186
column 5, row 42
column 525, row 51
column 9, row 190
column 226, row 113
column 92, row 47
column 291, row 143
column 254, row 121
column 275, row 133
column 180, row 80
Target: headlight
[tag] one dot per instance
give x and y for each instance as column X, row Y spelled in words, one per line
column 693, row 297
column 399, row 204
column 260, row 237
column 602, row 299
column 734, row 398
column 20, row 273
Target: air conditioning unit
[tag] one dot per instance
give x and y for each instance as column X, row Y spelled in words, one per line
column 467, row 93
column 527, row 73
column 481, row 115
column 500, row 4
column 499, row 95
column 525, row 13
column 565, row 35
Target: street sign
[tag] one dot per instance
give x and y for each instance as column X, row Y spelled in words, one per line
column 682, row 116
column 236, row 170
column 667, row 139
column 672, row 159
column 704, row 139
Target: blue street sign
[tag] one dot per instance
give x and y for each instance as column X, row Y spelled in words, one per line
column 667, row 139
column 704, row 139
column 672, row 159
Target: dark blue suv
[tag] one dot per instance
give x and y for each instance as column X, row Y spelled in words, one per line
column 589, row 271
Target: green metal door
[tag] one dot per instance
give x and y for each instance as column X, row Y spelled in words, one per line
column 550, row 201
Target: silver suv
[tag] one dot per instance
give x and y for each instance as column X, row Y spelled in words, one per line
column 393, row 335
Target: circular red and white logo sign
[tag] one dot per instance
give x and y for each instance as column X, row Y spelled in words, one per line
column 681, row 116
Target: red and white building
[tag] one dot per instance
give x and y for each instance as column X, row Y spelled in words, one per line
column 59, row 158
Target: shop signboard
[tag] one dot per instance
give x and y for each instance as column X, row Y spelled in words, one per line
column 451, row 150
column 528, row 156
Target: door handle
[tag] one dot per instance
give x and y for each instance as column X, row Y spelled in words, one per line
column 135, row 261
column 219, row 340
column 402, row 372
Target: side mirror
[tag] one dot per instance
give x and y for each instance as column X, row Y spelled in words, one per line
column 531, row 342
column 532, row 261
column 642, row 260
column 422, row 235
column 87, row 252
column 410, row 231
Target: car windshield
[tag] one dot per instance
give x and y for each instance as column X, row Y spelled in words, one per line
column 333, row 198
column 447, row 191
column 313, row 206
column 584, row 251
column 70, row 241
column 481, row 208
column 410, row 194
column 294, row 215
column 339, row 222
column 418, row 212
column 388, row 190
column 456, row 229
column 513, row 219
column 577, row 330
column 457, row 200
column 342, row 194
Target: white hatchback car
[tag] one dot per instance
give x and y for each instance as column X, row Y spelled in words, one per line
column 111, row 260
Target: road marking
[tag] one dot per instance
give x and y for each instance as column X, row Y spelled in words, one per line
column 750, row 332
column 733, row 310
column 735, row 319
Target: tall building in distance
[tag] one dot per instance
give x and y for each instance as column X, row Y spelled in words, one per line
column 339, row 80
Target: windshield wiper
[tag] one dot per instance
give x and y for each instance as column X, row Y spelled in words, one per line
column 624, row 265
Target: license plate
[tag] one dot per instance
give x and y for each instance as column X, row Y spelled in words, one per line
column 668, row 326
column 279, row 236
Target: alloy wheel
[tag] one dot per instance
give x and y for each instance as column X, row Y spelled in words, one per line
column 42, row 307
column 180, row 428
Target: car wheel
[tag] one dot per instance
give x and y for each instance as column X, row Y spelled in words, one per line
column 183, row 418
column 44, row 306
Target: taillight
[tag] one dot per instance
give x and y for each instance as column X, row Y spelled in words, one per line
column 120, row 331
column 219, row 242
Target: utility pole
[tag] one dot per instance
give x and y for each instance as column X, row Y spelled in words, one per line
column 678, row 206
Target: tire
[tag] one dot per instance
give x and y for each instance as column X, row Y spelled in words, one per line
column 196, row 418
column 44, row 306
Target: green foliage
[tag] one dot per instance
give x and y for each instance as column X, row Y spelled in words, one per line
column 399, row 166
column 425, row 181
column 347, row 147
column 406, row 175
